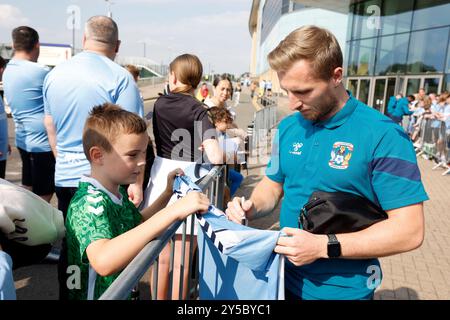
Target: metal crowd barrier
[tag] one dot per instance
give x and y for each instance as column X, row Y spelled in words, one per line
column 212, row 185
column 433, row 142
column 264, row 121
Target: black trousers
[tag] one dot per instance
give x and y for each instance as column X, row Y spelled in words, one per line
column 64, row 195
column 2, row 169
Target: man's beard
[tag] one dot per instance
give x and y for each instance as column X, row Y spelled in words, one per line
column 323, row 111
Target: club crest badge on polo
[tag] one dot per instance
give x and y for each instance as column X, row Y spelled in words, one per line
column 341, row 155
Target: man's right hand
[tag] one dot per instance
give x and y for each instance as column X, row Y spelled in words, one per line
column 238, row 211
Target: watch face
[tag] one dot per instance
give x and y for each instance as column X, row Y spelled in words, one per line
column 334, row 250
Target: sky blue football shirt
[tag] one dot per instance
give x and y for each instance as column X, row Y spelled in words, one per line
column 71, row 90
column 7, row 289
column 359, row 150
column 22, row 83
column 236, row 262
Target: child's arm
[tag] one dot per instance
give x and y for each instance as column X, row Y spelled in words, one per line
column 109, row 256
column 163, row 199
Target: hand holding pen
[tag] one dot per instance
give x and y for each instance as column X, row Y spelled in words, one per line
column 238, row 209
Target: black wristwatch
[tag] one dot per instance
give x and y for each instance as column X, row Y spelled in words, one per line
column 334, row 247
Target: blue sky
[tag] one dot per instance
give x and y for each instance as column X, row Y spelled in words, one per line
column 217, row 31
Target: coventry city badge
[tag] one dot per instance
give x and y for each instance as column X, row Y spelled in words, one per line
column 340, row 155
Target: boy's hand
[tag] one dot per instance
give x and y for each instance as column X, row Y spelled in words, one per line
column 171, row 177
column 135, row 194
column 191, row 203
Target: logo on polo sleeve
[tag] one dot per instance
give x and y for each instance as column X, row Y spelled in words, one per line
column 340, row 155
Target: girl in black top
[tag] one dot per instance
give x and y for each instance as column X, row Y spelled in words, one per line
column 183, row 135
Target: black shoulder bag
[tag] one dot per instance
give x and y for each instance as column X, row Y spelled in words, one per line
column 338, row 212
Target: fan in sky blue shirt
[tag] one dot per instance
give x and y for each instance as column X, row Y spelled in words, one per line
column 71, row 90
column 3, row 132
column 22, row 83
column 358, row 150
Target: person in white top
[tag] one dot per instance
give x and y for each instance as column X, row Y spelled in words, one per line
column 222, row 92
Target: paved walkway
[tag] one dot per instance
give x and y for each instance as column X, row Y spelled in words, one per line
column 420, row 274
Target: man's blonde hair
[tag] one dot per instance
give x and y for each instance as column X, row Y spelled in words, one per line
column 105, row 123
column 311, row 43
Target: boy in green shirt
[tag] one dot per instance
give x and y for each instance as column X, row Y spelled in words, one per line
column 105, row 231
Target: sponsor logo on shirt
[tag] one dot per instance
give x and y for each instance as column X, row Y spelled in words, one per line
column 340, row 155
column 296, row 146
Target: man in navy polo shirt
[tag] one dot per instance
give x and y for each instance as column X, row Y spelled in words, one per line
column 334, row 143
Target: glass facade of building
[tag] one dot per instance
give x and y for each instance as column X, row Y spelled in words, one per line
column 405, row 43
column 272, row 12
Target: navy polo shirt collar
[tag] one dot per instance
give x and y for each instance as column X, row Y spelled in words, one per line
column 342, row 116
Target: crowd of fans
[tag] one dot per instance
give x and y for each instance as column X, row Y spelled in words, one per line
column 426, row 119
column 81, row 134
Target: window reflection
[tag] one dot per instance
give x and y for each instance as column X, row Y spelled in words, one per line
column 364, row 90
column 446, row 84
column 363, row 27
column 396, row 16
column 391, row 55
column 362, row 57
column 427, row 50
column 270, row 15
column 431, row 13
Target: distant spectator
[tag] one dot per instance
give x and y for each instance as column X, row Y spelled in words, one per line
column 150, row 158
column 166, row 90
column 134, row 71
column 269, row 88
column 391, row 106
column 433, row 98
column 421, row 93
column 253, row 87
column 262, row 88
column 203, row 92
column 438, row 125
column 23, row 80
column 237, row 95
column 223, row 121
column 402, row 109
column 423, row 111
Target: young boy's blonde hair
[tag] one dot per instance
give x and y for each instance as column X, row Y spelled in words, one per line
column 311, row 43
column 105, row 123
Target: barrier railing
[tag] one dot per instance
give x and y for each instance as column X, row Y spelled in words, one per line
column 213, row 185
column 264, row 121
column 432, row 140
